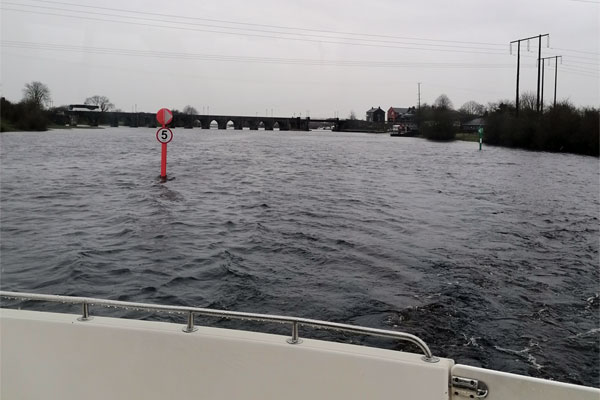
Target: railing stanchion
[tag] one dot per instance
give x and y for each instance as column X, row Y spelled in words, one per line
column 294, row 339
column 85, row 312
column 190, row 324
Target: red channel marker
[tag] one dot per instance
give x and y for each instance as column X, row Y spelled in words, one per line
column 164, row 135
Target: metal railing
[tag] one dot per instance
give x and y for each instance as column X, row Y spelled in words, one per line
column 86, row 302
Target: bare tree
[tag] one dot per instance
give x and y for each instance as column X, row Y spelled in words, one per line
column 37, row 93
column 190, row 110
column 101, row 101
column 502, row 105
column 528, row 101
column 443, row 102
column 472, row 108
column 352, row 115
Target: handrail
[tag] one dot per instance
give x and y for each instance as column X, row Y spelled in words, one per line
column 85, row 302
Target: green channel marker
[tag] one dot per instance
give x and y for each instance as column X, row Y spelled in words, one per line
column 480, row 130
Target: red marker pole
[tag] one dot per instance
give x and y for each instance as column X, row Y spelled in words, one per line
column 164, row 136
column 163, row 161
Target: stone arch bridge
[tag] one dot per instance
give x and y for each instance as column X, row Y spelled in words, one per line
column 117, row 118
column 134, row 120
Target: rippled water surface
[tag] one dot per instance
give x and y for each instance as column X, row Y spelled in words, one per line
column 491, row 257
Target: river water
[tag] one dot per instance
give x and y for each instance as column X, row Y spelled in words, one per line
column 491, row 257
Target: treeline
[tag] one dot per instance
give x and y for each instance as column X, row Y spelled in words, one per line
column 22, row 116
column 439, row 121
column 560, row 128
column 30, row 113
column 563, row 128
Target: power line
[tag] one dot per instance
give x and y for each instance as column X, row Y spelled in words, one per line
column 265, row 25
column 471, row 89
column 217, row 57
column 580, row 73
column 586, row 63
column 534, row 46
column 577, row 51
column 597, row 58
column 252, row 35
column 264, row 33
column 584, row 69
column 162, row 15
column 110, row 65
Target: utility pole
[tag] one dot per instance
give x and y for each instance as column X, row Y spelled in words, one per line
column 540, row 67
column 518, row 41
column 555, row 75
column 419, row 109
column 542, row 99
column 537, row 98
column 518, row 66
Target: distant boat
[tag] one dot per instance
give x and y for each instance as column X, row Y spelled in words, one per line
column 400, row 130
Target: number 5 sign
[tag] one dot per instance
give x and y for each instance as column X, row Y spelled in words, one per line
column 164, row 135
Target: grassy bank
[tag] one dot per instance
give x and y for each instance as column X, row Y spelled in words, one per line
column 6, row 126
column 467, row 137
column 54, row 126
column 9, row 127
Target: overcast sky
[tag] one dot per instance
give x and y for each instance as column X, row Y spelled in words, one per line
column 318, row 56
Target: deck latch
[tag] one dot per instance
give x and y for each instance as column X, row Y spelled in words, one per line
column 467, row 388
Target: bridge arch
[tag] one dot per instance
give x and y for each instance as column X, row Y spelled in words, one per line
column 266, row 124
column 204, row 122
column 188, row 121
column 283, row 124
column 235, row 123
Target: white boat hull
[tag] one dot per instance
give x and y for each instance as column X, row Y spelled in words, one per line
column 55, row 356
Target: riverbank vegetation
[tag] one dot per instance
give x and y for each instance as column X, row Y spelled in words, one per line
column 30, row 113
column 22, row 116
column 560, row 128
column 439, row 121
column 563, row 128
